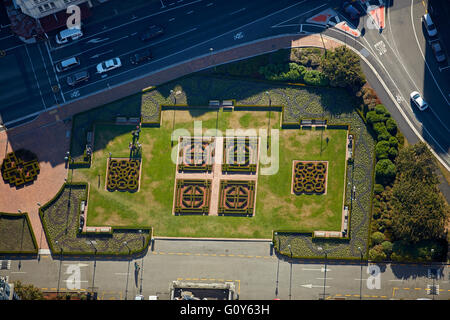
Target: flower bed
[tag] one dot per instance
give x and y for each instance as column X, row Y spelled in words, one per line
column 196, row 154
column 192, row 196
column 309, row 177
column 240, row 155
column 237, row 197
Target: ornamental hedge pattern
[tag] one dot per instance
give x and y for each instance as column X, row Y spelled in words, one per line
column 123, row 175
column 20, row 167
column 237, row 197
column 309, row 177
column 196, row 154
column 240, row 154
column 192, row 197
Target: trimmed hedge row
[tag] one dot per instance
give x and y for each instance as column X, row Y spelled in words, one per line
column 20, row 167
column 123, row 175
column 233, row 208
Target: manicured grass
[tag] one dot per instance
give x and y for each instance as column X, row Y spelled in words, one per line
column 15, row 234
column 276, row 208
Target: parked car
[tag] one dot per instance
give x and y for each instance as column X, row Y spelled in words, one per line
column 351, row 10
column 140, row 57
column 109, row 65
column 439, row 54
column 418, row 101
column 152, row 32
column 429, row 25
column 76, row 78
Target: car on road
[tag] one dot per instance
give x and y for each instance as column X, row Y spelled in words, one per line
column 418, row 101
column 109, row 65
column 151, row 32
column 439, row 54
column 429, row 25
column 140, row 57
column 351, row 10
column 76, row 78
column 67, row 64
column 68, row 35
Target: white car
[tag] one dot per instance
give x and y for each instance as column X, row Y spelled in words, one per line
column 109, row 65
column 418, row 101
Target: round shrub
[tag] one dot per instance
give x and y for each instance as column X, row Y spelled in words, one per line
column 373, row 117
column 391, row 126
column 392, row 152
column 378, row 188
column 393, row 142
column 385, row 171
column 381, row 109
column 387, row 247
column 381, row 149
column 377, row 238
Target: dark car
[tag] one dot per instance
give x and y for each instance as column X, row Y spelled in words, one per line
column 438, row 52
column 140, row 57
column 151, row 33
column 351, row 10
column 76, row 78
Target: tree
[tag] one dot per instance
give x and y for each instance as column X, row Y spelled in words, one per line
column 342, row 67
column 420, row 211
column 377, row 254
column 27, row 292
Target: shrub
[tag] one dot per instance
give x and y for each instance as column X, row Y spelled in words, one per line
column 385, row 171
column 392, row 152
column 377, row 254
column 381, row 109
column 393, row 142
column 377, row 238
column 387, row 247
column 382, row 149
column 391, row 126
column 373, row 117
column 378, row 188
column 381, row 131
column 315, row 78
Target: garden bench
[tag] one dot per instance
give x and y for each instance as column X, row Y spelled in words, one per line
column 228, row 105
column 82, row 207
column 214, row 103
column 319, row 233
column 134, row 120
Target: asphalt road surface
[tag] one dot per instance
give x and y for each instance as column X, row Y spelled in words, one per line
column 252, row 266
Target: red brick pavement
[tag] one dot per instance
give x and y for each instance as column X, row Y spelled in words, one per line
column 46, row 135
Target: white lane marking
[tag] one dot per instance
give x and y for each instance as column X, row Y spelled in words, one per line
column 313, row 286
column 321, row 269
column 134, row 21
column 209, row 4
column 302, row 14
column 237, row 11
column 171, row 19
column 46, row 71
column 189, row 12
column 423, row 56
column 12, row 48
column 35, row 78
column 6, row 37
column 129, row 52
column 106, row 43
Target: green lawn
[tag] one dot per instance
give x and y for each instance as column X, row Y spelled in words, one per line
column 16, row 234
column 276, row 208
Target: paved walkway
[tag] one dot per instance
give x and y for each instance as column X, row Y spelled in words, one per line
column 47, row 134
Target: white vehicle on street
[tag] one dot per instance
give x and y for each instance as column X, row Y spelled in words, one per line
column 418, row 101
column 109, row 65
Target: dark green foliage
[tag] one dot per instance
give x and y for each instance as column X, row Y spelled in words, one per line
column 387, row 247
column 315, row 78
column 381, row 109
column 420, row 212
column 393, row 142
column 377, row 254
column 391, row 126
column 342, row 67
column 392, row 152
column 381, row 149
column 385, row 171
column 27, row 292
column 373, row 117
column 377, row 238
column 419, row 251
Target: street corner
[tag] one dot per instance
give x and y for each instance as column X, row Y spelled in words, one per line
column 343, row 26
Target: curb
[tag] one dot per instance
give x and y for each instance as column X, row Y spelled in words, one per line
column 211, row 239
